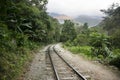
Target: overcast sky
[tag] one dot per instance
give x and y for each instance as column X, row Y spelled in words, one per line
column 79, row 7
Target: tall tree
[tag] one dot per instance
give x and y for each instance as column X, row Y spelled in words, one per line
column 85, row 26
column 112, row 20
column 68, row 31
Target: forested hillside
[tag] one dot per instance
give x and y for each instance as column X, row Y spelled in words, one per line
column 24, row 26
column 91, row 20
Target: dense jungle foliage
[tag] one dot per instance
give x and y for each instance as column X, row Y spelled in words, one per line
column 24, row 27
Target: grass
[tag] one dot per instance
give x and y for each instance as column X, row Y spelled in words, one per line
column 84, row 51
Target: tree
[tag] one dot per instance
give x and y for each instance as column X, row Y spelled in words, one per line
column 81, row 40
column 111, row 23
column 85, row 26
column 112, row 20
column 115, row 39
column 68, row 31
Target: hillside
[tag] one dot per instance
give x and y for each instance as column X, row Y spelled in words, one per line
column 60, row 17
column 54, row 14
column 91, row 20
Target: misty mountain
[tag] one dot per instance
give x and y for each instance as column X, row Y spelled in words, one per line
column 54, row 14
column 60, row 17
column 91, row 20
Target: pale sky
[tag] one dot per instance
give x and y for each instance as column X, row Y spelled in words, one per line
column 79, row 7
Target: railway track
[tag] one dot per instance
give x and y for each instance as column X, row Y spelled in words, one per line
column 58, row 68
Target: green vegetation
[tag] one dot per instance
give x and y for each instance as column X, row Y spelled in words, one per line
column 100, row 42
column 24, row 27
column 68, row 31
column 82, row 50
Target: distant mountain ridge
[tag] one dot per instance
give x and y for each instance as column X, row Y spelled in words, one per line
column 54, row 14
column 60, row 17
column 91, row 20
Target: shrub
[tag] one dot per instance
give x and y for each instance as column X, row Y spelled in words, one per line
column 115, row 58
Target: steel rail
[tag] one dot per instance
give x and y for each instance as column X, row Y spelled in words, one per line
column 79, row 74
column 54, row 69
